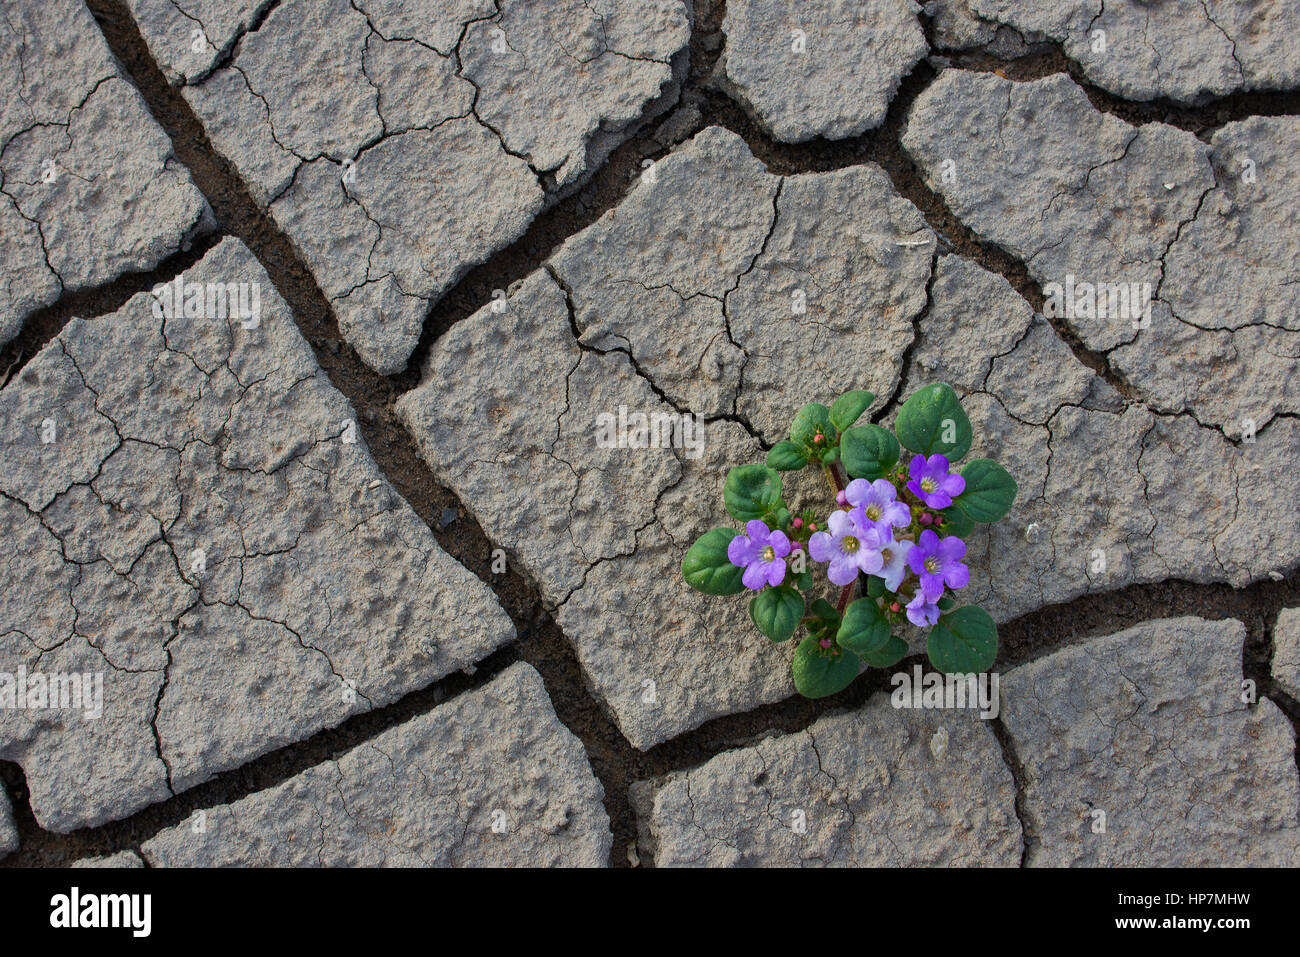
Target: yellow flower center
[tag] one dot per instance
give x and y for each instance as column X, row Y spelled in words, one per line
column 850, row 543
column 929, row 484
column 873, row 512
column 769, row 554
column 932, row 563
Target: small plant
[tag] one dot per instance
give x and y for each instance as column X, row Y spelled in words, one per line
column 900, row 526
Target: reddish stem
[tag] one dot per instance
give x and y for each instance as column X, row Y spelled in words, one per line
column 845, row 596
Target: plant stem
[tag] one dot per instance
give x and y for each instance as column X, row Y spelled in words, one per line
column 845, row 596
column 832, row 472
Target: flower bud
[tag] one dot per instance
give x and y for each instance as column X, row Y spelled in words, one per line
column 825, row 642
column 926, row 518
column 840, row 499
column 895, row 607
column 797, row 523
column 812, row 526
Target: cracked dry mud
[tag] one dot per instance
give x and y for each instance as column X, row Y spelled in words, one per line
column 697, row 208
column 430, row 135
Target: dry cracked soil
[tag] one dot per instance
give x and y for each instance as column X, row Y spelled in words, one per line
column 309, row 310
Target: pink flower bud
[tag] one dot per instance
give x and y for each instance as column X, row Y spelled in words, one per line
column 819, row 438
column 795, row 544
column 839, row 497
column 926, row 518
column 895, row 607
column 797, row 523
column 825, row 642
column 812, row 526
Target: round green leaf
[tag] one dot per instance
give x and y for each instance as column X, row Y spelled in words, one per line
column 956, row 521
column 819, row 671
column 786, row 457
column 932, row 421
column 864, row 628
column 824, row 609
column 776, row 611
column 868, row 451
column 894, row 651
column 990, row 490
column 875, row 586
column 964, row 641
column 751, row 491
column 849, row 407
column 812, row 418
column 706, row 567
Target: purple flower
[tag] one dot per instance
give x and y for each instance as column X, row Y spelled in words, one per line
column 931, row 481
column 761, row 552
column 876, row 505
column 921, row 611
column 894, row 556
column 848, row 546
column 938, row 562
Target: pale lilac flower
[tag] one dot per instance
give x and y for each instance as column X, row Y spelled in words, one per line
column 761, row 552
column 921, row 611
column 894, row 556
column 876, row 505
column 931, row 481
column 937, row 561
column 848, row 546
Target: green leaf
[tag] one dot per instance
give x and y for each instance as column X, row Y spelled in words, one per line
column 869, row 451
column 706, row 567
column 824, row 609
column 776, row 611
column 990, row 490
column 864, row 629
column 945, row 603
column 875, row 586
column 805, row 581
column 786, row 457
column 819, row 672
column 751, row 491
column 849, row 407
column 895, row 650
column 812, row 418
column 964, row 641
column 832, row 456
column 932, row 421
column 956, row 521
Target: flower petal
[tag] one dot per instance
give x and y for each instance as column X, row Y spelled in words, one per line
column 779, row 542
column 870, row 560
column 755, row 576
column 856, row 491
column 820, row 547
column 932, row 586
column 741, row 551
column 883, row 491
column 842, row 570
column 776, row 572
column 951, row 549
column 841, row 523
